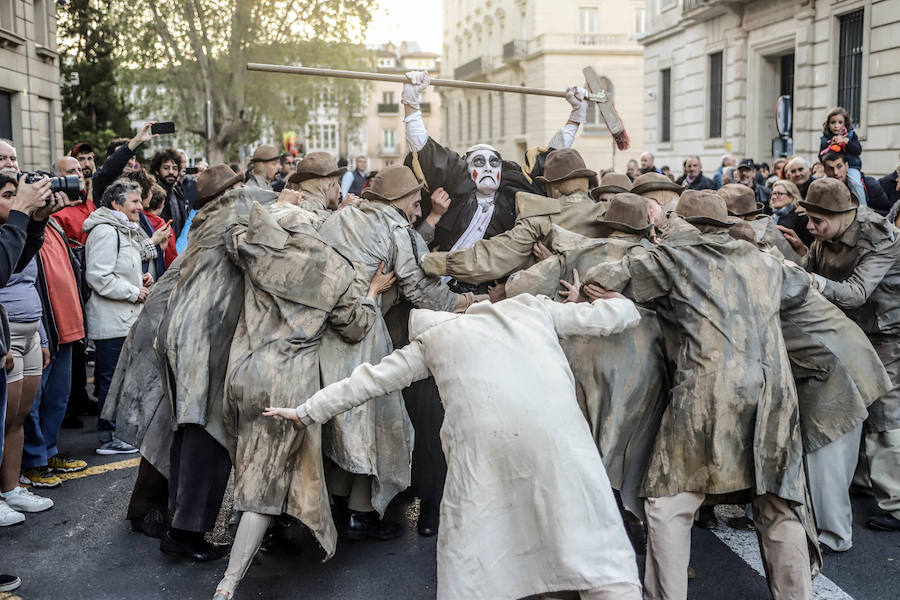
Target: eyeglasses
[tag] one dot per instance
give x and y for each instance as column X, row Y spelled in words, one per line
column 780, row 194
column 479, row 161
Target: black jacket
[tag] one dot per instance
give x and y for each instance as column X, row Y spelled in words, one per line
column 699, row 183
column 109, row 171
column 875, row 196
column 889, row 186
column 20, row 240
column 797, row 223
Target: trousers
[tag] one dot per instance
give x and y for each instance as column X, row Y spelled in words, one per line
column 198, row 475
column 830, row 471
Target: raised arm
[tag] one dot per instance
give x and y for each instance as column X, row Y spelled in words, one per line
column 577, row 99
column 600, row 317
column 395, row 372
column 416, row 134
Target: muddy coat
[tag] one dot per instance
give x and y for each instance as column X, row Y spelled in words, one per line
column 315, row 205
column 294, row 285
column 768, row 236
column 527, row 506
column 732, row 423
column 862, row 272
column 376, row 438
column 620, row 379
column 511, row 251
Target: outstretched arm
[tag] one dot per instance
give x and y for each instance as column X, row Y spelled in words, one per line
column 416, row 134
column 395, row 372
column 600, row 317
column 577, row 99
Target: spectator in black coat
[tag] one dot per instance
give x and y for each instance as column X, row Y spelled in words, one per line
column 890, row 183
column 746, row 175
column 693, row 178
column 836, row 166
column 785, row 203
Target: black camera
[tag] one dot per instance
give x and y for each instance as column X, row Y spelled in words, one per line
column 70, row 185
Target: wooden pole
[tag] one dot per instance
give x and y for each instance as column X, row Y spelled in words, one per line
column 470, row 85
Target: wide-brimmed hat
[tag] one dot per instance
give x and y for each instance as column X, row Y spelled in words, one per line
column 626, row 212
column 392, row 183
column 265, row 153
column 213, row 182
column 654, row 182
column 612, row 183
column 702, row 207
column 316, row 164
column 830, row 196
column 564, row 164
column 740, row 200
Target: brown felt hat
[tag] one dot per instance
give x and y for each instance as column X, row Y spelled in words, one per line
column 652, row 182
column 214, row 182
column 564, row 164
column 829, row 196
column 265, row 153
column 612, row 183
column 626, row 212
column 316, row 164
column 740, row 200
column 702, row 207
column 392, row 183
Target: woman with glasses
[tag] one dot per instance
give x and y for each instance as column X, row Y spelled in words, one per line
column 786, row 210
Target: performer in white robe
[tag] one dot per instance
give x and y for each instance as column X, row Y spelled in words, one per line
column 527, row 508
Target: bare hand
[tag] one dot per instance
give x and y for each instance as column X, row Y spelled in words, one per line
column 147, row 279
column 287, row 196
column 10, row 362
column 45, row 358
column 143, row 135
column 31, row 196
column 572, row 293
column 440, row 202
column 350, row 200
column 497, row 292
column 595, row 292
column 58, row 201
column 161, row 236
column 285, row 413
column 540, row 251
column 142, row 295
column 381, row 282
column 794, row 240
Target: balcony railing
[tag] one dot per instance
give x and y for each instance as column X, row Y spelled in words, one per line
column 474, row 68
column 389, row 108
column 388, row 151
column 692, row 4
column 514, row 50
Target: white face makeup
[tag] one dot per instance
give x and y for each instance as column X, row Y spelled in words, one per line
column 484, row 169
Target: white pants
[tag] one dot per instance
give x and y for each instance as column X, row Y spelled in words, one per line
column 830, row 471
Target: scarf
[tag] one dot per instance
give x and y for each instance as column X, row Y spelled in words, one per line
column 124, row 219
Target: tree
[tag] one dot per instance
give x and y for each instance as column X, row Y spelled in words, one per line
column 191, row 52
column 94, row 109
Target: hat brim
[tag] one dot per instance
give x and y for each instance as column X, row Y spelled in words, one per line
column 708, row 221
column 265, row 158
column 608, row 189
column 570, row 175
column 369, row 194
column 298, row 177
column 604, row 227
column 758, row 211
column 819, row 209
column 657, row 186
column 202, row 201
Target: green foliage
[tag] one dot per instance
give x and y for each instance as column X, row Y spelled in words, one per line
column 94, row 108
column 185, row 53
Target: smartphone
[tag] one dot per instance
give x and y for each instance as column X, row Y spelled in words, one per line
column 162, row 128
column 191, row 171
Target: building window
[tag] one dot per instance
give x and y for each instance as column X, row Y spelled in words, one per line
column 850, row 63
column 385, row 63
column 715, row 94
column 665, row 105
column 40, row 23
column 595, row 120
column 387, row 97
column 388, row 141
column 640, row 20
column 6, row 115
column 8, row 15
column 45, row 152
column 321, row 137
column 588, row 25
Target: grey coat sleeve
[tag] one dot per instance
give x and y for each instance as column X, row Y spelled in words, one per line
column 417, row 287
column 855, row 290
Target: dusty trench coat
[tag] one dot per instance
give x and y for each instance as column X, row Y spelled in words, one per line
column 527, row 507
column 621, row 379
column 294, row 286
column 376, row 438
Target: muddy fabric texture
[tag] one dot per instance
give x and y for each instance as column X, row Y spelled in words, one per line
column 294, row 285
column 862, row 268
column 732, row 422
column 376, row 438
column 511, row 250
column 527, row 507
column 768, row 236
column 315, row 205
column 136, row 397
column 620, row 379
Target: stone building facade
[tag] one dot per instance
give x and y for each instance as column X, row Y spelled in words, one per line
column 543, row 44
column 30, row 105
column 715, row 69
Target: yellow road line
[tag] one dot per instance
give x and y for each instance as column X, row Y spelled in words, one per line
column 8, row 596
column 100, row 469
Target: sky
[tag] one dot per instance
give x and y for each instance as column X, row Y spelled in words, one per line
column 415, row 20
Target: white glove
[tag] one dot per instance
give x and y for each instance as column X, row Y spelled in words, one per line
column 418, row 81
column 575, row 96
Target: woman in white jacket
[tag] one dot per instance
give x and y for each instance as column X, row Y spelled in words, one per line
column 115, row 250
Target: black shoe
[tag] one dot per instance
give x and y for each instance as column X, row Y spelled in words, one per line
column 367, row 526
column 153, row 524
column 706, row 519
column 72, row 422
column 8, row 583
column 885, row 522
column 429, row 518
column 198, row 550
column 741, row 524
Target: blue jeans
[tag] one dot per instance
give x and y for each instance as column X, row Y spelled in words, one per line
column 2, row 408
column 49, row 408
column 855, row 183
column 106, row 355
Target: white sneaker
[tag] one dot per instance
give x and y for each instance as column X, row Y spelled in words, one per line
column 116, row 446
column 22, row 500
column 8, row 516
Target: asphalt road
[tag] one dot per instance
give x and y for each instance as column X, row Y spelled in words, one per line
column 83, row 549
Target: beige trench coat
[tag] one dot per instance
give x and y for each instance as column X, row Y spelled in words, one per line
column 527, row 507
column 376, row 438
